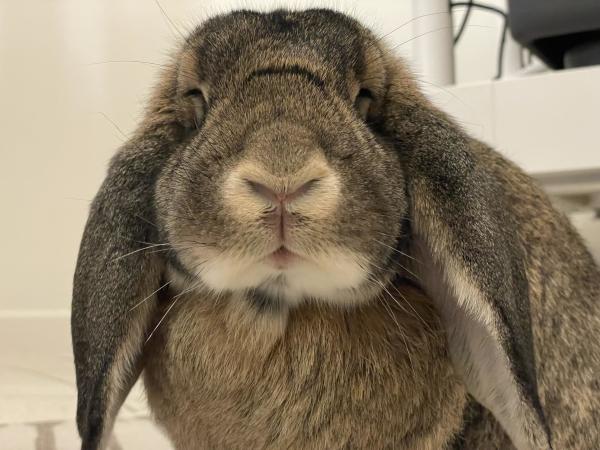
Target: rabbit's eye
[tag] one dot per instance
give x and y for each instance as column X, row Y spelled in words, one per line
column 198, row 100
column 363, row 101
column 193, row 93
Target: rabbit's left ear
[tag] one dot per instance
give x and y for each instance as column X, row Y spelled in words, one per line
column 470, row 259
column 119, row 272
column 115, row 286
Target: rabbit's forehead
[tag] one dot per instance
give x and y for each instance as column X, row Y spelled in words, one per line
column 328, row 42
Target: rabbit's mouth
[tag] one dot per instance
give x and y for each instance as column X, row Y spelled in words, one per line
column 282, row 258
column 332, row 276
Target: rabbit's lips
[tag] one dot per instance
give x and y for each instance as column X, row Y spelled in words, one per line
column 282, row 257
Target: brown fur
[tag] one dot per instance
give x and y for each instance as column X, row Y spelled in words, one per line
column 274, row 96
column 564, row 289
column 565, row 318
column 221, row 374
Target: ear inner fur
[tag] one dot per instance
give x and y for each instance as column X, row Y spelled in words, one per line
column 482, row 266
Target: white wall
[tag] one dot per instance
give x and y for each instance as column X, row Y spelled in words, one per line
column 60, row 96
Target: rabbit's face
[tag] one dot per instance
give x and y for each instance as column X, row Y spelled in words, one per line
column 282, row 188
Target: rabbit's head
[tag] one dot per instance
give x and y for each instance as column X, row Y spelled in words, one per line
column 289, row 154
column 280, row 185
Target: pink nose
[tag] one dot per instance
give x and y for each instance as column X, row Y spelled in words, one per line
column 278, row 197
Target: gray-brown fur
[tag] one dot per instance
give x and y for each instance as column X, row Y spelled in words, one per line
column 564, row 287
column 280, row 96
column 220, row 374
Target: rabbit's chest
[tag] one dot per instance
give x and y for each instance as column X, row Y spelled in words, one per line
column 231, row 375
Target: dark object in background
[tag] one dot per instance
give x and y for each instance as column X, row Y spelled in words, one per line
column 562, row 33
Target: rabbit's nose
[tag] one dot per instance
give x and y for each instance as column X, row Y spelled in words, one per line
column 252, row 193
column 280, row 196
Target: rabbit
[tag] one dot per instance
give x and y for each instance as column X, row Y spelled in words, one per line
column 299, row 250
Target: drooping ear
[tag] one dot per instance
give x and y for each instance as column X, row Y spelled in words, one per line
column 470, row 260
column 116, row 280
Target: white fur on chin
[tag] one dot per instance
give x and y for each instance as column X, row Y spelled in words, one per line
column 330, row 277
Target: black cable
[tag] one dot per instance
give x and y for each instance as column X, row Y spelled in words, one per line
column 464, row 21
column 472, row 4
column 501, row 49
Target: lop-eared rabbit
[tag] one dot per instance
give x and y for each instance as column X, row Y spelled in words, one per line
column 298, row 250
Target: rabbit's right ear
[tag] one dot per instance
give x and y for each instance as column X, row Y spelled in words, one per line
column 117, row 279
column 471, row 262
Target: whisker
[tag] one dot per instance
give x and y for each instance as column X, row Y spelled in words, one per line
column 128, row 61
column 149, row 296
column 382, row 285
column 193, row 244
column 137, row 251
column 399, row 265
column 404, row 268
column 401, row 235
column 400, row 331
column 139, row 242
column 371, row 61
column 175, row 300
column 370, row 279
column 408, row 22
column 112, row 122
column 452, row 94
column 412, row 39
column 162, row 318
column 160, row 251
column 146, row 220
column 187, row 74
column 164, row 13
column 398, row 251
column 416, row 313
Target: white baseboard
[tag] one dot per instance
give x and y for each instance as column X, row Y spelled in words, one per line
column 37, row 375
column 34, row 313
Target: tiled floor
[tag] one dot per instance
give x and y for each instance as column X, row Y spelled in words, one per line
column 38, row 395
column 129, row 434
